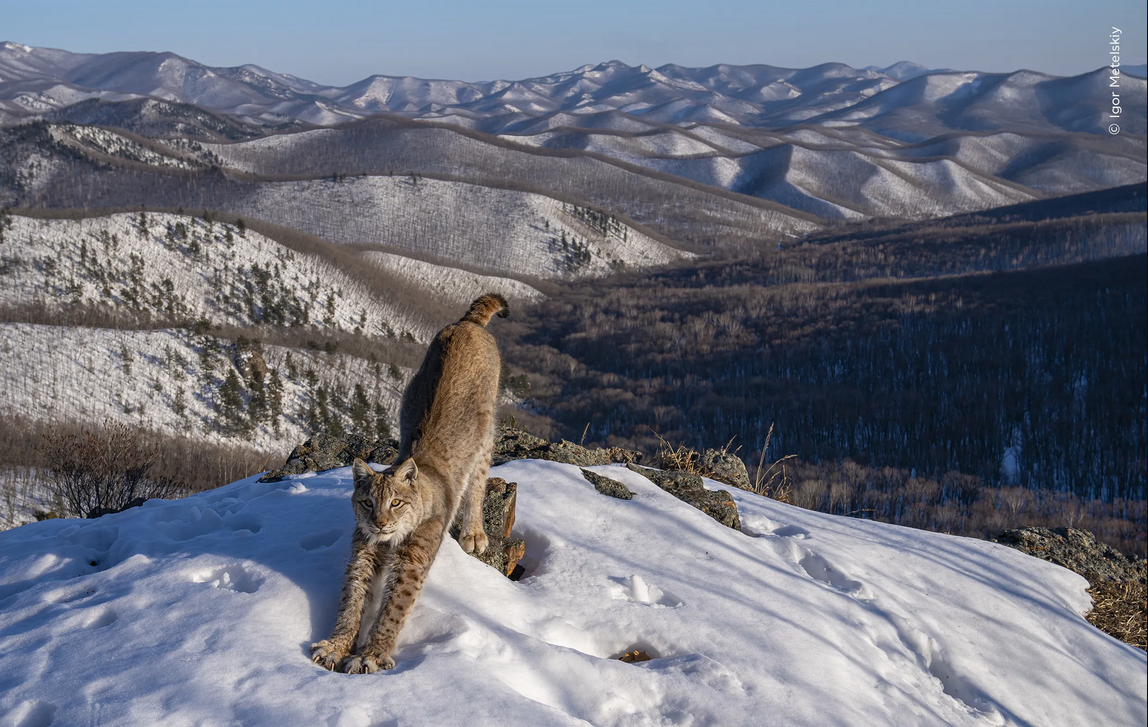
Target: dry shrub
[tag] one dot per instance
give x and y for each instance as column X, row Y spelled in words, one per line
column 103, row 469
column 1118, row 609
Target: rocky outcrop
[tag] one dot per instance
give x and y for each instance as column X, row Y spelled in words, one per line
column 717, row 464
column 1077, row 550
column 607, row 486
column 688, row 488
column 502, row 551
column 1116, row 583
column 325, row 452
column 511, row 444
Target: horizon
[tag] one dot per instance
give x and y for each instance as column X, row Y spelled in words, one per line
column 586, row 65
column 511, row 40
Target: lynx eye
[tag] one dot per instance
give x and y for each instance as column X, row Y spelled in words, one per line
column 396, row 503
column 368, row 502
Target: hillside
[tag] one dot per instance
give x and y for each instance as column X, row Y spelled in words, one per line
column 706, row 157
column 810, row 618
column 916, row 368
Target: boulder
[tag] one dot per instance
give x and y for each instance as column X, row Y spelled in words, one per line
column 607, row 486
column 725, row 467
column 1075, row 549
column 688, row 488
column 511, row 444
column 717, row 464
column 326, row 452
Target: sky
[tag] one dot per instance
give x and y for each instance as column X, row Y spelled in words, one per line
column 338, row 42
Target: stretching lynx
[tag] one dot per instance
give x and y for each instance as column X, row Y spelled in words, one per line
column 402, row 514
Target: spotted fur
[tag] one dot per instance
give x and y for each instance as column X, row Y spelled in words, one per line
column 403, row 513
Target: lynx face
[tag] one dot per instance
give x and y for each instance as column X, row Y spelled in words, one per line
column 388, row 505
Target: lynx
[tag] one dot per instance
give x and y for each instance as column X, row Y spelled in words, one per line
column 447, row 434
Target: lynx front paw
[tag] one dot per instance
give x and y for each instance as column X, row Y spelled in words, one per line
column 366, row 664
column 473, row 542
column 326, row 654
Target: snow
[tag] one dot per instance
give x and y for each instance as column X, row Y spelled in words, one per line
column 94, row 260
column 451, row 285
column 61, row 373
column 200, row 611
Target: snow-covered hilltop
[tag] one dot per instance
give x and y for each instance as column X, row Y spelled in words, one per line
column 828, row 142
column 610, row 95
column 200, row 611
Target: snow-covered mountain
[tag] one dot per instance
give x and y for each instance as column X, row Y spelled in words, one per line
column 201, row 611
column 824, row 143
column 609, row 95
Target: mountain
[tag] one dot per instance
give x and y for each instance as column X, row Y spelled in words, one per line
column 821, row 144
column 181, row 606
column 34, row 81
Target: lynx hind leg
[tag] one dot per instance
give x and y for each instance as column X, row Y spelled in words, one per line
column 472, row 536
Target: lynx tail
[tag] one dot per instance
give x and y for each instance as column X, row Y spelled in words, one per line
column 483, row 309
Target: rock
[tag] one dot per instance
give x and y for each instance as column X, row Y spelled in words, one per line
column 502, row 551
column 498, row 506
column 511, row 444
column 607, row 486
column 717, row 464
column 101, row 511
column 688, row 488
column 725, row 467
column 384, row 453
column 1077, row 550
column 633, row 657
column 326, row 452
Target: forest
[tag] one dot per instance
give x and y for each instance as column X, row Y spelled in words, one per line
column 952, row 363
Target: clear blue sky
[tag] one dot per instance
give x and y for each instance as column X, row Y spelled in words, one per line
column 338, row 42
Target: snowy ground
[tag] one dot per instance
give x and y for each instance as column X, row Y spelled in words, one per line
column 200, row 612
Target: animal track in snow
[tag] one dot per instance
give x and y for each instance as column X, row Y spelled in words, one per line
column 925, row 650
column 321, row 540
column 105, row 617
column 231, row 578
column 636, row 589
column 34, row 714
column 194, row 522
column 792, row 531
column 820, row 569
column 759, row 526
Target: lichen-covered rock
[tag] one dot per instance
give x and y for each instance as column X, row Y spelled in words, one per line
column 1077, row 550
column 688, row 488
column 326, row 452
column 502, row 551
column 511, row 444
column 607, row 486
column 725, row 467
column 717, row 464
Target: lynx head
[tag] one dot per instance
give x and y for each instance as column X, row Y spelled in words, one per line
column 388, row 505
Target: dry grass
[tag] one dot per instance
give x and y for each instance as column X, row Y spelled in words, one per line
column 680, row 457
column 773, row 481
column 1119, row 610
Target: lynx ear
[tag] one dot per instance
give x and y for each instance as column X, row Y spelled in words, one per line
column 362, row 470
column 408, row 472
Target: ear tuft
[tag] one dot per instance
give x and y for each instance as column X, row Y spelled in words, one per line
column 362, row 470
column 409, row 472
